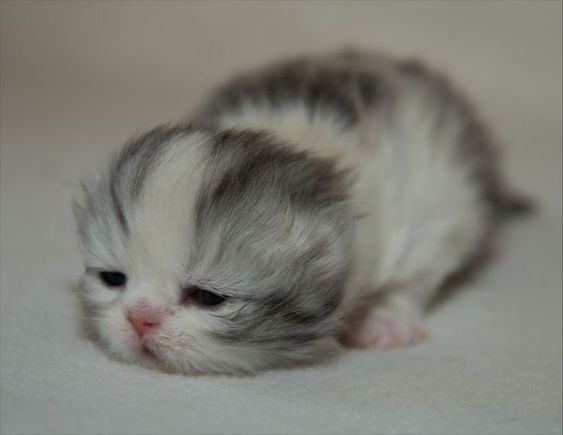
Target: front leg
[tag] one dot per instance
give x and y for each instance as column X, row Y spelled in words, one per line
column 396, row 321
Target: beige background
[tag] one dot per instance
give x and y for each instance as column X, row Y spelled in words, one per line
column 78, row 78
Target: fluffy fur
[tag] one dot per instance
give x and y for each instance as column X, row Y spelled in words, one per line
column 327, row 198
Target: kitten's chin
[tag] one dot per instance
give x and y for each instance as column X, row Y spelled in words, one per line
column 134, row 353
column 172, row 363
column 150, row 356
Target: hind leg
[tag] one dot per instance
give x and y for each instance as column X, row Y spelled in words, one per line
column 397, row 319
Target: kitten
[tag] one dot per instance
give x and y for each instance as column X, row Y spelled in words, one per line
column 318, row 201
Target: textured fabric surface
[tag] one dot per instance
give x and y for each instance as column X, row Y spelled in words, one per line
column 78, row 78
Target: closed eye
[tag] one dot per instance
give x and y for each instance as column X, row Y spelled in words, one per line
column 202, row 297
column 110, row 278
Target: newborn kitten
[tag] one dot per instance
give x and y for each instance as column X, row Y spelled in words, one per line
column 320, row 200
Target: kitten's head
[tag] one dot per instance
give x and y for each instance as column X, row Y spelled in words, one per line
column 215, row 251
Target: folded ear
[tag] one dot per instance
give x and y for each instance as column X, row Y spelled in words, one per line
column 80, row 201
column 77, row 210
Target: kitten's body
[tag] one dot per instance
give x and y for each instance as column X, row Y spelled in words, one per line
column 426, row 191
column 397, row 189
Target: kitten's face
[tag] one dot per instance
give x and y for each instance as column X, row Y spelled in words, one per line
column 214, row 252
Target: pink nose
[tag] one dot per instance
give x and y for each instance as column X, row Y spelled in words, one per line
column 143, row 322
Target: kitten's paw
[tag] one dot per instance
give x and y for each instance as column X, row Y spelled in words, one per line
column 387, row 326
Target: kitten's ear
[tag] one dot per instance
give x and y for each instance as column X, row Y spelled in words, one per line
column 77, row 211
column 79, row 203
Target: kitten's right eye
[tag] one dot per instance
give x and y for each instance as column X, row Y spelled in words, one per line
column 113, row 278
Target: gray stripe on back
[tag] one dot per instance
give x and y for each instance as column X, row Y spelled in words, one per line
column 347, row 88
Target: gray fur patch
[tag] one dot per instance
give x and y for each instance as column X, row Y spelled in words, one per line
column 346, row 88
column 255, row 193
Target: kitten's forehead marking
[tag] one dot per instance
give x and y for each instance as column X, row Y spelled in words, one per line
column 134, row 165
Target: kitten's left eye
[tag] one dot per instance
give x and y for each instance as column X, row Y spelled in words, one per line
column 209, row 298
column 203, row 297
column 113, row 278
